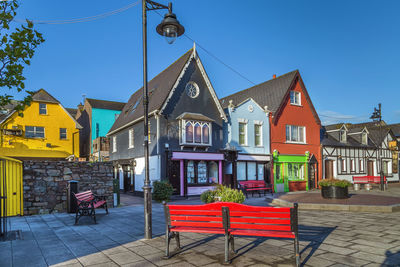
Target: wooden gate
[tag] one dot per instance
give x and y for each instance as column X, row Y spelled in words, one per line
column 11, row 188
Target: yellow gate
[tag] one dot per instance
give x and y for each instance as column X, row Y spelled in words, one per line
column 11, row 187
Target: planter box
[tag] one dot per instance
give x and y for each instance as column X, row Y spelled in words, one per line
column 297, row 186
column 334, row 192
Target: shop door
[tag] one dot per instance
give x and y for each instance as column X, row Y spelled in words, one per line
column 279, row 178
column 370, row 165
column 174, row 176
column 311, row 182
column 328, row 169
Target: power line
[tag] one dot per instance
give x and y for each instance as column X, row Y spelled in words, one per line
column 84, row 19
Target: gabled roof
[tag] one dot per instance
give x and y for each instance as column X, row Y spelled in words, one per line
column 105, row 104
column 271, row 94
column 395, row 128
column 43, row 96
column 160, row 88
column 72, row 111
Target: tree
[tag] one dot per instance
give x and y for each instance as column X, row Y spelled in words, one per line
column 17, row 47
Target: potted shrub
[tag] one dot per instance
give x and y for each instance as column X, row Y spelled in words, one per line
column 334, row 188
column 223, row 194
column 162, row 191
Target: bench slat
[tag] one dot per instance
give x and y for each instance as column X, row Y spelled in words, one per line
column 196, row 218
column 194, row 212
column 196, row 224
column 260, row 226
column 283, row 234
column 198, row 230
column 260, row 214
column 259, row 220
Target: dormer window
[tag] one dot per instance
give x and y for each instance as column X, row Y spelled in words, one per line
column 342, row 136
column 295, row 98
column 364, row 138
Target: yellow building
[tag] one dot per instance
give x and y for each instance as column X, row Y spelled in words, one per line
column 46, row 130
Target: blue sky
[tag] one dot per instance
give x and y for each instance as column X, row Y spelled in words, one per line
column 347, row 51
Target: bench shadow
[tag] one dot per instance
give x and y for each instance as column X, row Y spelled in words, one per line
column 391, row 258
column 315, row 235
column 191, row 245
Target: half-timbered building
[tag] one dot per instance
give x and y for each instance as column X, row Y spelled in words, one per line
column 357, row 150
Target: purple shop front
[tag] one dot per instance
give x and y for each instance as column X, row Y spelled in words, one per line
column 198, row 172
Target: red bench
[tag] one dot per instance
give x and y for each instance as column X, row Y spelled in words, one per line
column 87, row 202
column 232, row 219
column 252, row 186
column 369, row 180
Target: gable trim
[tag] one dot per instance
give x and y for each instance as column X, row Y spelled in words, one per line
column 194, row 56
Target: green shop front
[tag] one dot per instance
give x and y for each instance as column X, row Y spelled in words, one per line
column 290, row 172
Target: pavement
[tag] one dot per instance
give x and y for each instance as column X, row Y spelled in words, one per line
column 326, row 239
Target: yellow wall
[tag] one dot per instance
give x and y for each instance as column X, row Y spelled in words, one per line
column 56, row 118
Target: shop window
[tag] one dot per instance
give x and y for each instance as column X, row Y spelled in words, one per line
column 190, row 173
column 202, row 172
column 241, row 171
column 213, row 172
column 295, row 171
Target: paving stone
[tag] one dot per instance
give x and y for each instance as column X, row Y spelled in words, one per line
column 368, row 249
column 145, row 250
column 336, row 249
column 139, row 264
column 92, row 259
column 370, row 257
column 345, row 259
column 318, row 262
column 125, row 258
column 68, row 263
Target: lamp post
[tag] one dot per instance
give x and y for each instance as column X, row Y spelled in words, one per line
column 170, row 28
column 377, row 116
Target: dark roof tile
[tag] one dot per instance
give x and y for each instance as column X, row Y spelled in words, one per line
column 105, row 104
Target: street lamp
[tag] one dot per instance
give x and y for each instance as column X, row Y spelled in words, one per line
column 170, row 28
column 377, row 116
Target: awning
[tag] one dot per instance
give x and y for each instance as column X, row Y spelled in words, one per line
column 254, row 157
column 197, row 156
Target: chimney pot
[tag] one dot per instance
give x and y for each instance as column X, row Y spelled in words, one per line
column 274, row 76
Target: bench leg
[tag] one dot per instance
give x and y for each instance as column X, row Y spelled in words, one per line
column 167, row 238
column 178, row 241
column 94, row 216
column 297, row 251
column 105, row 206
column 227, row 237
column 77, row 216
column 232, row 241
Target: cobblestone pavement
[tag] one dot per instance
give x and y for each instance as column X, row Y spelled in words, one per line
column 326, row 239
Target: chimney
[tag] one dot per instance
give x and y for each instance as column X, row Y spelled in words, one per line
column 80, row 107
column 274, row 76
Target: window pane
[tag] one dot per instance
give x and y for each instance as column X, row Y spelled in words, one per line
column 202, row 172
column 292, row 97
column 257, row 131
column 242, row 133
column 39, row 132
column 251, row 171
column 295, row 133
column 287, row 132
column 241, row 170
column 297, row 98
column 189, row 132
column 301, row 133
column 197, row 133
column 213, row 172
column 206, row 130
column 190, row 172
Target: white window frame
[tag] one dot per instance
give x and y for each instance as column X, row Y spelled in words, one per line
column 245, row 133
column 45, row 108
column 261, row 135
column 361, row 165
column 131, row 138
column 193, row 123
column 35, row 131
column 352, row 165
column 296, row 96
column 299, row 128
column 114, row 144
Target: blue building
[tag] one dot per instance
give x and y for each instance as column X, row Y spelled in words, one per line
column 96, row 117
column 247, row 131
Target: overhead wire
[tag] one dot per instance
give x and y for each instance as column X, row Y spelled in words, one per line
column 84, row 19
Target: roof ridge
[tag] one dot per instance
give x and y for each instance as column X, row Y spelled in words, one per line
column 262, row 83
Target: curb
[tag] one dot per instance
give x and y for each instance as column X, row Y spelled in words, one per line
column 337, row 207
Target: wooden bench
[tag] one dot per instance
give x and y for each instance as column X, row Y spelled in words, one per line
column 255, row 186
column 232, row 219
column 86, row 203
column 369, row 180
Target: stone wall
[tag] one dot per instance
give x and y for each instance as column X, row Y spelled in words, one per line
column 45, row 183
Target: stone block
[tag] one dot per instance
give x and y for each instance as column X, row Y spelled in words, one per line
column 53, row 172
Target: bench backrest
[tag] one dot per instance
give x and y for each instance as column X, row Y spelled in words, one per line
column 205, row 216
column 262, row 218
column 368, row 179
column 84, row 196
column 254, row 183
